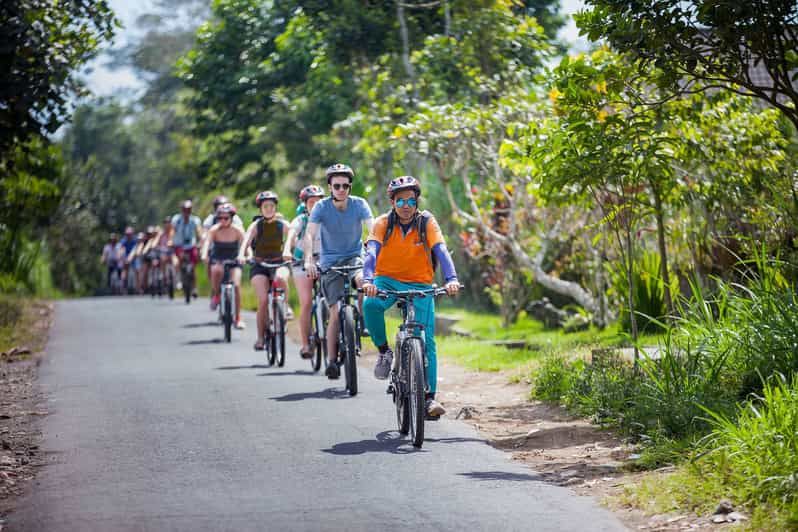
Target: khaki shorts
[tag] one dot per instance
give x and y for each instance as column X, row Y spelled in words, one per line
column 332, row 283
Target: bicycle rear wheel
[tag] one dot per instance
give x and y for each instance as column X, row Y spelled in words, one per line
column 279, row 334
column 416, row 395
column 350, row 349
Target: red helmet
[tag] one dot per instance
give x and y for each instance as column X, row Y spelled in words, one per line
column 218, row 200
column 310, row 191
column 402, row 183
column 226, row 208
column 339, row 169
column 266, row 195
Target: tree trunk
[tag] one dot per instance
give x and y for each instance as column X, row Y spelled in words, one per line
column 411, row 73
column 630, row 265
column 663, row 253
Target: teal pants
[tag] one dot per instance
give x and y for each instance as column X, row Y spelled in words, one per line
column 374, row 315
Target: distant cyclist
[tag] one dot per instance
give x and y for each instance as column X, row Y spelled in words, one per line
column 265, row 238
column 110, row 258
column 398, row 259
column 126, row 246
column 186, row 233
column 339, row 219
column 222, row 243
column 309, row 196
column 212, row 220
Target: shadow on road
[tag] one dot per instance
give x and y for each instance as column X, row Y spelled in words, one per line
column 500, row 475
column 205, row 342
column 389, row 441
column 253, row 366
column 283, row 373
column 203, row 324
column 329, row 393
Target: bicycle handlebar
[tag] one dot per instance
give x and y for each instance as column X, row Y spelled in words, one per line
column 434, row 291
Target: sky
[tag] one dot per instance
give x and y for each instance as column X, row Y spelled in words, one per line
column 103, row 81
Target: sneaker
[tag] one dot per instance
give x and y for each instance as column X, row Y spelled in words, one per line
column 332, row 371
column 289, row 314
column 383, row 367
column 305, row 352
column 240, row 325
column 215, row 302
column 434, row 408
column 259, row 345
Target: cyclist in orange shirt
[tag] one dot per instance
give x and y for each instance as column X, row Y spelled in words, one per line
column 401, row 254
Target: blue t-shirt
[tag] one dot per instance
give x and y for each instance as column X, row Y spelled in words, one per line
column 128, row 244
column 340, row 231
column 185, row 231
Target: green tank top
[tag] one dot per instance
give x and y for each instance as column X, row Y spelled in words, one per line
column 268, row 241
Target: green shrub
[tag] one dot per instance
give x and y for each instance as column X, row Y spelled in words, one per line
column 756, row 452
column 648, row 289
column 554, row 378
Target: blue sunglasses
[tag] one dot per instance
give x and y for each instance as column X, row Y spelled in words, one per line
column 411, row 202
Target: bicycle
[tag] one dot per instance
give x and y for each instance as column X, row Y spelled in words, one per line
column 227, row 301
column 408, row 379
column 275, row 329
column 349, row 327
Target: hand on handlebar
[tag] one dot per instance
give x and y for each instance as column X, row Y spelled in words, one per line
column 369, row 289
column 452, row 287
column 311, row 269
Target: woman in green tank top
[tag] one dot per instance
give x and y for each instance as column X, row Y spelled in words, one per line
column 264, row 239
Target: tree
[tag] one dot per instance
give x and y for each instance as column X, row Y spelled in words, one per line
column 705, row 44
column 42, row 44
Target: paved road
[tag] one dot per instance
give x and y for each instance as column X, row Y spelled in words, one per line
column 157, row 425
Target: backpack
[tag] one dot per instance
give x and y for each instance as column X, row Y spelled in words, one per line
column 421, row 221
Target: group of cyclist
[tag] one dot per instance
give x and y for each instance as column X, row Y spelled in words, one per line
column 401, row 252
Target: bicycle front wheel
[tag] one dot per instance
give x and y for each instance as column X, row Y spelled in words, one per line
column 416, row 384
column 315, row 340
column 279, row 334
column 350, row 349
column 400, row 387
column 227, row 315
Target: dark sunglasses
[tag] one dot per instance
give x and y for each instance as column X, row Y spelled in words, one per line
column 223, row 217
column 340, row 186
column 410, row 202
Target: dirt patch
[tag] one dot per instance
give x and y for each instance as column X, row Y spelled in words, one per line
column 563, row 450
column 21, row 406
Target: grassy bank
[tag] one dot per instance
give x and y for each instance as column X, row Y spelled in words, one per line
column 20, row 325
column 721, row 402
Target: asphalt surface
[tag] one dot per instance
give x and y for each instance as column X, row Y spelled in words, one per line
column 157, row 425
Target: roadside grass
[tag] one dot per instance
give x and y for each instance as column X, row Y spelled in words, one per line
column 479, row 354
column 18, row 318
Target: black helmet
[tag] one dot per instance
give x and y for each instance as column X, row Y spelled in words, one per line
column 339, row 169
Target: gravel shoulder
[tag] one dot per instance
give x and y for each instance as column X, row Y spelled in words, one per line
column 21, row 407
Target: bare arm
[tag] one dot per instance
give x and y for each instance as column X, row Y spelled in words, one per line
column 206, row 244
column 242, row 251
column 289, row 243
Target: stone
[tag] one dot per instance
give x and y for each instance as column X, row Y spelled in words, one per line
column 737, row 516
column 724, row 507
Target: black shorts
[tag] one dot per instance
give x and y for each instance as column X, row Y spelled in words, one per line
column 257, row 269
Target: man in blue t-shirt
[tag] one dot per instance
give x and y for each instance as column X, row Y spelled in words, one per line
column 339, row 219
